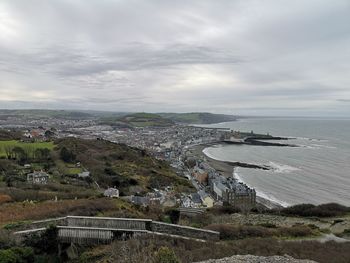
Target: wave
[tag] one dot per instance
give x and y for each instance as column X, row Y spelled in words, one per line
column 323, row 146
column 260, row 193
column 282, row 168
column 317, row 146
column 310, row 139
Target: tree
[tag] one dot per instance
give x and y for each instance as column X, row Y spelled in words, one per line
column 49, row 134
column 19, row 154
column 42, row 154
column 8, row 151
column 66, row 155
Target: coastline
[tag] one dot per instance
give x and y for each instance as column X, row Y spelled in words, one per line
column 226, row 169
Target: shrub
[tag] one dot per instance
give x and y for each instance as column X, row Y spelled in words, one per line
column 17, row 255
column 7, row 239
column 229, row 232
column 174, row 215
column 166, row 255
column 224, row 210
column 309, row 210
column 44, row 243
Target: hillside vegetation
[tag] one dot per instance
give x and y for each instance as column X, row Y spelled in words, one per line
column 111, row 164
column 138, row 120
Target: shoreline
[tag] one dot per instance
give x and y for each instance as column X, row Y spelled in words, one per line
column 226, row 169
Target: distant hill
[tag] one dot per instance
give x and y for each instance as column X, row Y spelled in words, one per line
column 45, row 114
column 198, row 117
column 139, row 120
column 123, row 119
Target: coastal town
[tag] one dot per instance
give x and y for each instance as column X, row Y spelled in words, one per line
column 172, row 144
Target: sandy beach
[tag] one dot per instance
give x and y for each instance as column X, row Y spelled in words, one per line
column 226, row 169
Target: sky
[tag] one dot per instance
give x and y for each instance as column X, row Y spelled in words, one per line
column 246, row 57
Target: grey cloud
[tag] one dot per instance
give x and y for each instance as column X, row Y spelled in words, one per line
column 176, row 55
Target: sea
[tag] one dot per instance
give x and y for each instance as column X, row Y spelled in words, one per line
column 316, row 172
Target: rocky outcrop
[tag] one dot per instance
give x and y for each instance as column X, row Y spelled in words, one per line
column 258, row 259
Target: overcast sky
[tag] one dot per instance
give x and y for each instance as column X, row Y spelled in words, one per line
column 261, row 57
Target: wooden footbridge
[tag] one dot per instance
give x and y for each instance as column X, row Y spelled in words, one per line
column 102, row 230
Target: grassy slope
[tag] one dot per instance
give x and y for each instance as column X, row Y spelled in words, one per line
column 24, row 211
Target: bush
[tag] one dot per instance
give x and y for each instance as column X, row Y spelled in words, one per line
column 232, row 232
column 224, row 210
column 174, row 215
column 44, row 243
column 66, row 155
column 309, row 210
column 7, row 240
column 17, row 255
column 166, row 255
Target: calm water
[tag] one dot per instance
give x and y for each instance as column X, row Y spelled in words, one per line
column 316, row 172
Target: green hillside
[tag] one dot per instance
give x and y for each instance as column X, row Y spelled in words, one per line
column 139, row 120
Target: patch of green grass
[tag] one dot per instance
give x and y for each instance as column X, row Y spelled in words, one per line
column 75, row 170
column 35, row 145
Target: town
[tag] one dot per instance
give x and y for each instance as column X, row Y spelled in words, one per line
column 170, row 144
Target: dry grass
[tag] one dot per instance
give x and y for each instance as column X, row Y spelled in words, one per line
column 5, row 198
column 13, row 212
column 46, row 192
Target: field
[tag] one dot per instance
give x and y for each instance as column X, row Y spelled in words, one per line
column 33, row 146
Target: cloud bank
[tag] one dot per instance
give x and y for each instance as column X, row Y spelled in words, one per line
column 235, row 56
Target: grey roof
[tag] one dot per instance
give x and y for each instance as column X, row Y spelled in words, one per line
column 196, row 198
column 202, row 194
column 140, row 200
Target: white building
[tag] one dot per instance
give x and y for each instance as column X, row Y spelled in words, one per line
column 111, row 192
